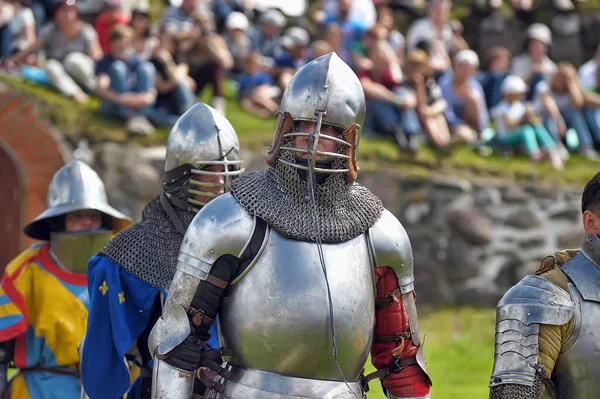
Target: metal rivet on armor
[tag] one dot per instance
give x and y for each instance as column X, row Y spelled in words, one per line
column 528, row 314
column 402, row 265
column 212, row 251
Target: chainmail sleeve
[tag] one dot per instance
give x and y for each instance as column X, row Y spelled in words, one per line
column 515, row 391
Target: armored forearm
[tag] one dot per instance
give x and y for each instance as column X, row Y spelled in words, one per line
column 178, row 341
column 396, row 355
column 397, row 352
column 522, row 320
column 207, row 263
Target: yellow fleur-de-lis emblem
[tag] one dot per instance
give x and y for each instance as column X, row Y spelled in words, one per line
column 121, row 297
column 103, row 288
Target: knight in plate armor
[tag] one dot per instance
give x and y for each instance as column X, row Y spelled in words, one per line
column 305, row 268
column 129, row 278
column 43, row 291
column 548, row 325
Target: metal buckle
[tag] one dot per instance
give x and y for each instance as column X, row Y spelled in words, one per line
column 197, row 315
column 394, row 367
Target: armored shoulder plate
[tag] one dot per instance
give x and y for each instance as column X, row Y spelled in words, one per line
column 533, row 301
column 222, row 227
column 391, row 247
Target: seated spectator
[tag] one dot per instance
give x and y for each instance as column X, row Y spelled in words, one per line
column 42, row 9
column 125, row 85
column 19, row 32
column 111, row 16
column 589, row 77
column 7, row 13
column 362, row 11
column 495, row 69
column 436, row 35
column 72, row 48
column 144, row 43
column 385, row 17
column 266, row 37
column 294, row 41
column 517, row 124
column 352, row 29
column 319, row 48
column 208, row 58
column 174, row 86
column 237, row 41
column 360, row 49
column 257, row 89
column 391, row 109
column 534, row 65
column 466, row 113
column 588, row 71
column 177, row 23
column 564, row 100
column 222, row 8
column 333, row 35
column 430, row 101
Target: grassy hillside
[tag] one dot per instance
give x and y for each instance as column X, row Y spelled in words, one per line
column 256, row 134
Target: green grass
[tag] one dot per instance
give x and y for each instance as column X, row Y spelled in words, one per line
column 460, row 352
column 255, row 134
column 459, row 348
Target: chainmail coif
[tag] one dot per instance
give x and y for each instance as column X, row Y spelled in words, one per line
column 281, row 198
column 148, row 250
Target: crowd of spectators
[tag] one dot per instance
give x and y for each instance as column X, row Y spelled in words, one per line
column 426, row 86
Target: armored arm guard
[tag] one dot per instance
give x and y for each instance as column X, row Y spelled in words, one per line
column 534, row 301
column 206, row 264
column 397, row 351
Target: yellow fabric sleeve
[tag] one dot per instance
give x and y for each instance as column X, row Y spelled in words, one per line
column 552, row 338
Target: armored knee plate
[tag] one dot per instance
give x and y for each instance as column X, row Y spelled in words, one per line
column 533, row 301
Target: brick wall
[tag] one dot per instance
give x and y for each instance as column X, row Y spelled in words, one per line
column 37, row 151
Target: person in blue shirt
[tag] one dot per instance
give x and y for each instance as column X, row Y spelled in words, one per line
column 352, row 29
column 295, row 42
column 257, row 88
column 125, row 85
column 466, row 113
column 129, row 278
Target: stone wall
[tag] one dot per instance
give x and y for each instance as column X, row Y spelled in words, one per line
column 471, row 241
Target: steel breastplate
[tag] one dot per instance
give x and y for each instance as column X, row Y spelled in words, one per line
column 276, row 317
column 578, row 367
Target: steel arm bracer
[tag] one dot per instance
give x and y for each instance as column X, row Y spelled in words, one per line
column 527, row 305
column 391, row 249
column 206, row 264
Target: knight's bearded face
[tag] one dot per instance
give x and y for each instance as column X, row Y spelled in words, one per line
column 324, row 145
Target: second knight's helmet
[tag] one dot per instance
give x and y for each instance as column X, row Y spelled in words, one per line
column 200, row 139
column 325, row 91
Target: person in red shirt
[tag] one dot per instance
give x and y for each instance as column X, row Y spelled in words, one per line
column 391, row 109
column 111, row 16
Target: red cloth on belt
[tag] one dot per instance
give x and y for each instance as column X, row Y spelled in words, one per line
column 411, row 381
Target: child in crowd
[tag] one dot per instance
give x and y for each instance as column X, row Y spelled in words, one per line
column 517, row 124
column 256, row 88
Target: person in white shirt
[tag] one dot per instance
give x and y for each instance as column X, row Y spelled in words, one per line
column 435, row 34
column 533, row 66
column 517, row 124
column 563, row 99
column 589, row 78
